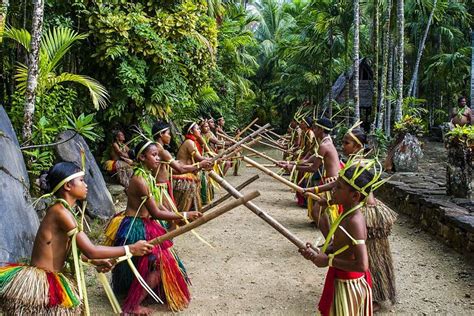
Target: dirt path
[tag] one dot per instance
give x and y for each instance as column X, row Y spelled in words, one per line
column 255, row 270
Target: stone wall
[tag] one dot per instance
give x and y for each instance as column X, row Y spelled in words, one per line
column 424, row 200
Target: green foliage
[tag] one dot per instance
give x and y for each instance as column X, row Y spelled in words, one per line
column 461, row 134
column 52, row 110
column 84, row 125
column 381, row 141
column 55, row 44
column 163, row 55
column 410, row 125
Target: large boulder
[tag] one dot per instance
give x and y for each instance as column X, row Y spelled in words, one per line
column 407, row 153
column 99, row 200
column 19, row 222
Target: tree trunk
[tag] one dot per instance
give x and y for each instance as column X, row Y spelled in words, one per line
column 412, row 90
column 33, row 59
column 3, row 17
column 388, row 103
column 385, row 51
column 376, row 67
column 356, row 61
column 472, row 71
column 331, row 43
column 400, row 57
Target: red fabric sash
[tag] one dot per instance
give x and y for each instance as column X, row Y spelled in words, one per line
column 194, row 139
column 327, row 297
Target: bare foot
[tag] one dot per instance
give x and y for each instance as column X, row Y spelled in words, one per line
column 140, row 310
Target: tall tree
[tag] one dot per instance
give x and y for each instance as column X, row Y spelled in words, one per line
column 412, row 88
column 376, row 43
column 385, row 52
column 32, row 82
column 356, row 60
column 472, row 70
column 400, row 58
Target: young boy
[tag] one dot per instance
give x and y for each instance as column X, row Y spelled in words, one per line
column 348, row 285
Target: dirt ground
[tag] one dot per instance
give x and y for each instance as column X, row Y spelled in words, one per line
column 252, row 269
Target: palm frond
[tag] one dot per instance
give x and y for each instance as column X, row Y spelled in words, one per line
column 21, row 36
column 97, row 91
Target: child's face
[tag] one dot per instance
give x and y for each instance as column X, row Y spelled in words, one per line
column 212, row 124
column 120, row 137
column 150, row 158
column 78, row 188
column 205, row 128
column 349, row 146
column 166, row 137
column 196, row 131
column 342, row 193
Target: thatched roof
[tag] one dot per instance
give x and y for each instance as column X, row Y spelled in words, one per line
column 338, row 86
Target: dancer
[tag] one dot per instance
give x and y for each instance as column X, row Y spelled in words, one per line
column 44, row 287
column 379, row 219
column 160, row 269
column 347, row 289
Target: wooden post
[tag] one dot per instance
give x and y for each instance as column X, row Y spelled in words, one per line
column 259, row 212
column 205, row 218
column 228, row 195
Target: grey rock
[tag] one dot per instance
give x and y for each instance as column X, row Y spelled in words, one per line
column 19, row 221
column 407, row 154
column 99, row 200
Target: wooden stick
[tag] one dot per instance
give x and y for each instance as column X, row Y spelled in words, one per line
column 271, row 132
column 279, row 178
column 228, row 195
column 259, row 212
column 238, row 150
column 205, row 218
column 271, row 140
column 246, row 128
column 253, row 150
column 265, row 165
column 275, row 147
column 240, row 142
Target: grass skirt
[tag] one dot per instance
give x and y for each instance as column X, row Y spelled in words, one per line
column 380, row 220
column 173, row 281
column 352, row 297
column 207, row 190
column 27, row 290
column 186, row 191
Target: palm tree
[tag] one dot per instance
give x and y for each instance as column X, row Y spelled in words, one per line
column 413, row 83
column 54, row 45
column 31, row 72
column 400, row 58
column 356, row 60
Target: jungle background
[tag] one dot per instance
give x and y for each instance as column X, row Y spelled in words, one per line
column 105, row 65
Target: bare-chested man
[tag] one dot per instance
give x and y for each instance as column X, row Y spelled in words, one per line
column 327, row 156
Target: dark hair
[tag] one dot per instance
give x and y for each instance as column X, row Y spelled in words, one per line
column 57, row 173
column 115, row 133
column 133, row 154
column 361, row 181
column 308, row 121
column 325, row 124
column 186, row 128
column 158, row 126
column 360, row 135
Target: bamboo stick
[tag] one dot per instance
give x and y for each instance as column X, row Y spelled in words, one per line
column 252, row 150
column 228, row 195
column 269, row 139
column 280, row 178
column 271, row 132
column 259, row 212
column 275, row 147
column 205, row 218
column 240, row 142
column 246, row 128
column 265, row 165
column 238, row 150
